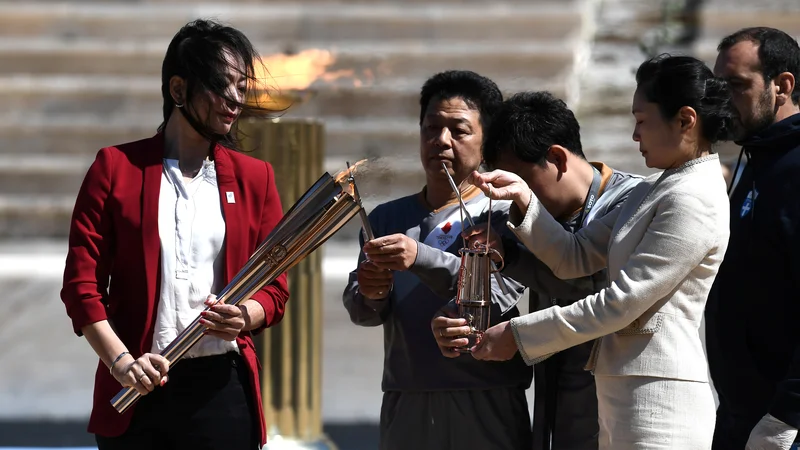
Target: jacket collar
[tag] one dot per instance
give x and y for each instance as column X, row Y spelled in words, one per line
column 780, row 136
column 695, row 164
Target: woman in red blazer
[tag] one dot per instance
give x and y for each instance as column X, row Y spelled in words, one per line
column 159, row 225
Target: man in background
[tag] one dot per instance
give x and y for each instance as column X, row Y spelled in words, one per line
column 752, row 332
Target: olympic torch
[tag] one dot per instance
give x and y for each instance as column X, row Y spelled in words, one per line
column 322, row 211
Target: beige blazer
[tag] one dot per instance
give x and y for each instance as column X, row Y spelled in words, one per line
column 662, row 248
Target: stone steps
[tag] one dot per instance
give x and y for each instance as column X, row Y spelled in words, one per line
column 35, row 215
column 78, row 76
column 291, row 22
column 32, row 175
column 718, row 20
column 46, row 175
column 259, row 3
column 408, row 59
column 54, row 95
column 37, row 135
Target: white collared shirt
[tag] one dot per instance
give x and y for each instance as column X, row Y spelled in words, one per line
column 192, row 233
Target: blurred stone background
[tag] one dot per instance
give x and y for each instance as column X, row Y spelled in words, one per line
column 76, row 76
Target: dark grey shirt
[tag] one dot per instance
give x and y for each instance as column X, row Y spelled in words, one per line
column 412, row 360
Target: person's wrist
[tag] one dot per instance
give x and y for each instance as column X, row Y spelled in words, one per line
column 245, row 316
column 122, row 366
column 116, row 361
column 522, row 200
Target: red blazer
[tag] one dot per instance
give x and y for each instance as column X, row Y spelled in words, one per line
column 114, row 233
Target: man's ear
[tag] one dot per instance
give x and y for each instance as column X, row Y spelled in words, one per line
column 557, row 156
column 785, row 84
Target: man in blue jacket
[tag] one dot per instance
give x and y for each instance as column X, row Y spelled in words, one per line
column 752, row 331
column 409, row 271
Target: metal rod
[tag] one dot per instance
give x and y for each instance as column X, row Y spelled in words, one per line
column 500, row 280
column 361, row 212
column 458, row 195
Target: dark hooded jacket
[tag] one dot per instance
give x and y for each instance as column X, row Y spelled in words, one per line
column 753, row 311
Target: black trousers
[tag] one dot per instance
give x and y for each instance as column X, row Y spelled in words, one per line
column 491, row 419
column 206, row 405
column 734, row 425
column 732, row 430
column 565, row 402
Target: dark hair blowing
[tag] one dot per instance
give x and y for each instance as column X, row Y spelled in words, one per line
column 477, row 92
column 777, row 52
column 200, row 54
column 673, row 82
column 528, row 124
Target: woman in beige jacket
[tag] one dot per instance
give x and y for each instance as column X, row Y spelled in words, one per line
column 662, row 248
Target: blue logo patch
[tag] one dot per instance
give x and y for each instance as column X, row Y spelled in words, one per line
column 748, row 203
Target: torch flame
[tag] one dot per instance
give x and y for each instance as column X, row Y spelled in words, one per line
column 346, row 173
column 279, row 76
column 293, row 71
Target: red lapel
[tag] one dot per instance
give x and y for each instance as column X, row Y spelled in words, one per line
column 151, row 243
column 232, row 204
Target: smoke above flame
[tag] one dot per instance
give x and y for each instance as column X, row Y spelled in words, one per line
column 280, row 77
column 353, row 169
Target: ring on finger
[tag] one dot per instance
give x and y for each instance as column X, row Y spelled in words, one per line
column 142, row 376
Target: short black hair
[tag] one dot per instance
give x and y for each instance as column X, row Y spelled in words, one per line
column 528, row 124
column 673, row 82
column 777, row 52
column 477, row 92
